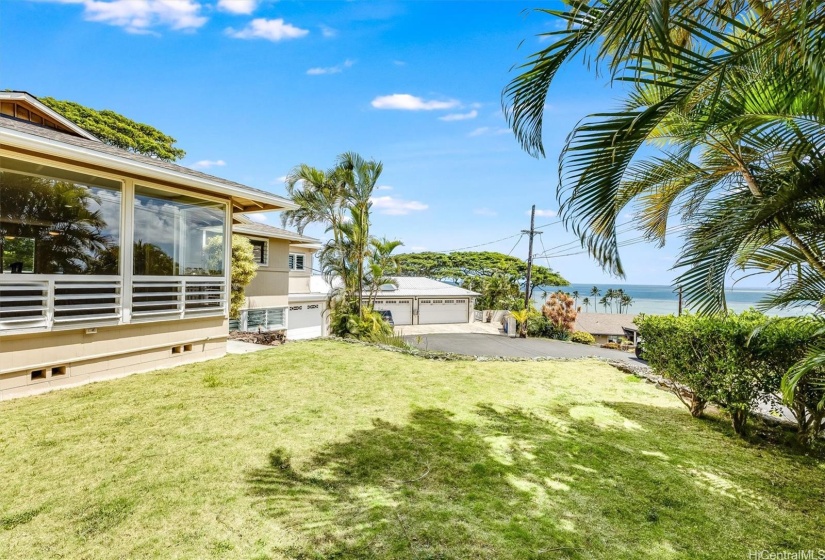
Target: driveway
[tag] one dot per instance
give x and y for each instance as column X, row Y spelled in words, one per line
column 452, row 328
column 472, row 344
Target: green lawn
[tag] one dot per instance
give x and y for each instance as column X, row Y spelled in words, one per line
column 323, row 448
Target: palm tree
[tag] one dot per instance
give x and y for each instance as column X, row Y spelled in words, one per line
column 586, row 303
column 603, row 301
column 627, row 301
column 732, row 94
column 595, row 292
column 382, row 265
column 575, row 295
column 609, row 296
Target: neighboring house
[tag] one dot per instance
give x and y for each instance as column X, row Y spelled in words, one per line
column 419, row 301
column 608, row 327
column 110, row 262
column 280, row 296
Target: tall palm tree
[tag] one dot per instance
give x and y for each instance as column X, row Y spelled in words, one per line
column 360, row 177
column 732, row 94
column 627, row 301
column 382, row 265
column 603, row 301
column 586, row 303
column 595, row 292
column 575, row 295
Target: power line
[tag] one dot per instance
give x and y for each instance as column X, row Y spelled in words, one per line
column 625, row 243
column 497, row 240
column 516, row 245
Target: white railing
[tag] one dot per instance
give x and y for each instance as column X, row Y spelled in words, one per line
column 177, row 296
column 45, row 303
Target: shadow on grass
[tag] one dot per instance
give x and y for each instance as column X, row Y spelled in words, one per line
column 611, row 480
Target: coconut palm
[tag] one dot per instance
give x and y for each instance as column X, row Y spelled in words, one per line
column 603, row 302
column 731, row 92
column 586, row 303
column 575, row 295
column 627, row 301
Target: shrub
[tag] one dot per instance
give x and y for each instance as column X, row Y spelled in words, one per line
column 582, row 337
column 780, row 344
column 610, row 345
column 540, row 326
column 709, row 356
column 345, row 321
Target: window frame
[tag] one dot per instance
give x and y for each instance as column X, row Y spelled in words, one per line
column 264, row 250
column 292, row 262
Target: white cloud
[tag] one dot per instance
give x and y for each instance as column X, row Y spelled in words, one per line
column 484, row 212
column 459, row 116
column 256, row 217
column 331, row 69
column 140, row 16
column 328, row 31
column 487, row 130
column 269, row 29
column 383, row 188
column 544, row 213
column 407, row 102
column 281, row 179
column 396, row 206
column 399, row 62
column 243, row 7
column 207, row 163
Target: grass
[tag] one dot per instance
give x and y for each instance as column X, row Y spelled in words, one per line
column 323, row 449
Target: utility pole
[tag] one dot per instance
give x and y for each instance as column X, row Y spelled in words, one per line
column 532, row 233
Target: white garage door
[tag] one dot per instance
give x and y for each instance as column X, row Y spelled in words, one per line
column 401, row 309
column 305, row 321
column 439, row 311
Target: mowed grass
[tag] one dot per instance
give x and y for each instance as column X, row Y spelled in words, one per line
column 325, row 449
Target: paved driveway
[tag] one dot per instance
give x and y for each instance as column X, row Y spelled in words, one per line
column 498, row 345
column 451, row 328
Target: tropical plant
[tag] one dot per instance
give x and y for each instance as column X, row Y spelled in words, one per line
column 586, row 303
column 732, row 94
column 560, row 310
column 244, row 267
column 521, row 317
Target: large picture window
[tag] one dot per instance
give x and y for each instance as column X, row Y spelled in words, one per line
column 55, row 221
column 177, row 235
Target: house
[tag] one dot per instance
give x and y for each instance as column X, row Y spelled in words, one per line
column 608, row 327
column 281, row 294
column 110, row 262
column 416, row 300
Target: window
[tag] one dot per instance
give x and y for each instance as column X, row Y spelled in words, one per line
column 296, row 261
column 259, row 249
column 56, row 221
column 178, row 235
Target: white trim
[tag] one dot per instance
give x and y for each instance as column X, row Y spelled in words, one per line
column 293, row 258
column 265, row 241
column 79, row 154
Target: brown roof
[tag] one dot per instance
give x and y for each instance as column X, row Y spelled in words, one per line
column 605, row 323
column 97, row 146
column 249, row 227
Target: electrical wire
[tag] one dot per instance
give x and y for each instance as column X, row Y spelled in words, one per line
column 516, row 245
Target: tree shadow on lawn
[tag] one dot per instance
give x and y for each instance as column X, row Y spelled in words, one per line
column 609, row 480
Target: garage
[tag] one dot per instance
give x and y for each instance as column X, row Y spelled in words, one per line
column 441, row 311
column 305, row 320
column 401, row 309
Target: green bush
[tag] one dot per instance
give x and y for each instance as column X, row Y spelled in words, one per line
column 780, row 344
column 711, row 357
column 539, row 326
column 582, row 337
column 369, row 325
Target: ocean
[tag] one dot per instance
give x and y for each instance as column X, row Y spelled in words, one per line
column 659, row 300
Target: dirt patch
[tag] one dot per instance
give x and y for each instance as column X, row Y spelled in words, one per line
column 266, row 338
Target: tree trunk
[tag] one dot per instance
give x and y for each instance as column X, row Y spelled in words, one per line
column 697, row 406
column 739, row 420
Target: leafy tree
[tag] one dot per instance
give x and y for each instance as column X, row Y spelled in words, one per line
column 116, row 130
column 244, row 268
column 496, row 276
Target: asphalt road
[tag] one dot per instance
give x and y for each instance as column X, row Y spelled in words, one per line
column 498, row 345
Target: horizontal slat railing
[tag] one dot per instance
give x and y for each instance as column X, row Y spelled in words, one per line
column 46, row 302
column 178, row 296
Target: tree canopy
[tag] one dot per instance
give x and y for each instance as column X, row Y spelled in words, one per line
column 116, row 130
column 462, row 266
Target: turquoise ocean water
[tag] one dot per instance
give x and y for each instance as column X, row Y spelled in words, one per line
column 660, row 300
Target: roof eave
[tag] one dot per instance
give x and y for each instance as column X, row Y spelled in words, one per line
column 54, row 115
column 244, row 200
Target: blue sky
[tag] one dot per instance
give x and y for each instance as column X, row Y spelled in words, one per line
column 252, row 88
